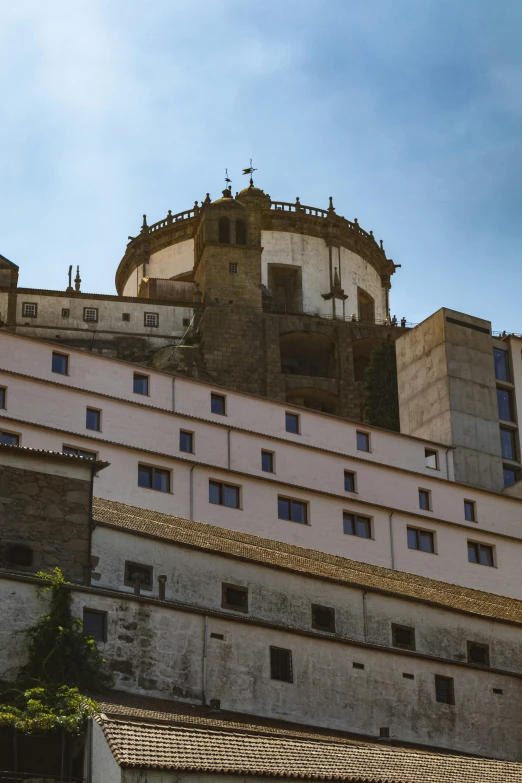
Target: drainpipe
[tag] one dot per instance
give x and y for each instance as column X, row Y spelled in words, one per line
column 365, row 617
column 204, row 683
column 191, row 492
column 173, row 395
column 392, row 548
column 228, row 448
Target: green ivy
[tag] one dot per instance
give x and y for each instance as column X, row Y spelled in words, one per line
column 381, row 405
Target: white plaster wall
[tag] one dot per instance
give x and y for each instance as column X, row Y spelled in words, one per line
column 172, row 260
column 356, row 272
column 105, row 768
column 132, row 285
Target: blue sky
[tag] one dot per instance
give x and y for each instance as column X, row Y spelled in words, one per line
column 407, row 112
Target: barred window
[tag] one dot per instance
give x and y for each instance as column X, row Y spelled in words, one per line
column 29, row 309
column 151, row 319
column 281, row 664
column 444, row 691
column 90, row 313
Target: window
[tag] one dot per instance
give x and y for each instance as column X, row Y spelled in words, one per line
column 90, row 313
column 186, row 441
column 281, row 664
column 482, row 554
column 125, row 316
column 78, row 452
column 138, row 571
column 505, row 404
column 186, row 321
column 403, row 636
column 241, row 232
column 9, row 439
column 408, row 676
column 470, row 511
column 29, row 309
column 232, row 268
column 501, row 364
column 425, row 499
column 20, row 555
column 358, row 665
column 478, row 653
column 223, row 494
column 422, row 540
column 65, row 312
column 510, row 475
column 95, row 624
column 363, row 441
column 224, row 230
column 140, row 384
column 507, row 443
column 217, row 404
column 431, row 459
column 349, row 481
column 3, row 396
column 444, row 692
column 292, row 510
column 355, row 525
column 234, row 597
column 60, row 363
column 267, row 461
column 323, row 618
column 151, row 319
column 150, row 477
column 93, row 419
column 292, row 423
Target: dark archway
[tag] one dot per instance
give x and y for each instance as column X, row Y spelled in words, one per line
column 315, row 399
column 308, row 353
column 365, row 307
column 241, row 232
column 224, row 230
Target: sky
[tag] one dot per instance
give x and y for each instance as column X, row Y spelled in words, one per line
column 407, row 112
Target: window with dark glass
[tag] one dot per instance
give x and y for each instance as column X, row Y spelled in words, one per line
column 125, row 316
column 234, row 597
column 217, row 404
column 9, row 439
column 186, row 441
column 60, row 363
column 95, row 624
column 425, row 499
column 292, row 423
column 223, row 494
column 224, row 230
column 3, row 396
column 501, row 364
column 281, row 664
column 140, row 384
column 20, row 555
column 482, row 554
column 78, row 452
column 403, row 636
column 93, row 419
column 323, row 618
column 470, row 511
column 233, row 268
column 505, row 404
column 292, row 510
column 267, row 461
column 65, row 312
column 138, row 571
column 478, row 653
column 150, row 477
column 423, row 540
column 349, row 481
column 444, row 691
column 363, row 441
column 431, row 459
column 510, row 475
column 241, row 232
column 507, row 443
column 356, row 525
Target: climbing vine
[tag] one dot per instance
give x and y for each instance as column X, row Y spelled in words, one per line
column 381, row 406
column 62, row 663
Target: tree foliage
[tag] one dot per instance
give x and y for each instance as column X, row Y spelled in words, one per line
column 381, row 406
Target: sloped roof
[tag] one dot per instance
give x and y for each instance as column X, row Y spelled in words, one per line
column 5, row 262
column 245, row 546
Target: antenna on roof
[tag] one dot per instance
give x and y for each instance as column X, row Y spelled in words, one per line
column 250, row 170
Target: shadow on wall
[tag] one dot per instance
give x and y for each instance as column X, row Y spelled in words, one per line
column 315, row 399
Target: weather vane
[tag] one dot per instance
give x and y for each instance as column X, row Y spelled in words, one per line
column 228, row 181
column 250, row 170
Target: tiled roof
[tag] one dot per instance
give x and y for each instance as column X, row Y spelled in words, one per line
column 305, row 561
column 98, row 464
column 217, row 746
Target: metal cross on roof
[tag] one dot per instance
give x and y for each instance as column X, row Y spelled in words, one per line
column 250, row 170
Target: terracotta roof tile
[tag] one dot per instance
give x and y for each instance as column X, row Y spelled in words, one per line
column 308, row 561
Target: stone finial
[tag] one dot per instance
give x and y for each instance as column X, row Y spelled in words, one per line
column 69, row 287
column 77, row 279
column 381, row 244
column 144, row 226
column 207, row 199
column 331, row 207
column 196, row 207
column 356, row 222
column 336, row 282
column 298, row 206
column 169, row 217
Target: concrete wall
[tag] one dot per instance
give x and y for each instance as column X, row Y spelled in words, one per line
column 105, row 768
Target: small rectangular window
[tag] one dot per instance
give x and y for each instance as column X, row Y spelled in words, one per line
column 423, row 540
column 95, row 624
column 508, row 443
column 349, row 481
column 218, row 404
column 3, row 397
column 444, row 691
column 292, row 510
column 358, row 665
column 478, row 653
column 511, row 475
column 431, row 459
column 232, row 268
column 186, row 321
column 29, row 309
column 323, row 618
column 234, row 597
column 151, row 319
column 499, row 691
column 73, row 451
column 60, row 363
column 267, row 461
column 501, row 364
column 363, row 441
column 482, row 554
column 403, row 636
column 425, row 499
column 9, row 439
column 223, row 494
column 505, row 405
column 90, row 313
column 470, row 511
column 140, row 384
column 408, row 676
column 292, row 423
column 93, row 419
column 281, row 664
column 186, row 441
column 356, row 525
column 65, row 312
column 150, row 477
column 125, row 316
column 138, row 571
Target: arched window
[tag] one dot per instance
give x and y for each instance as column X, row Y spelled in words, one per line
column 224, row 230
column 241, row 232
